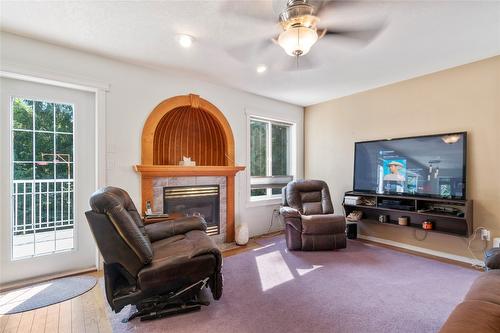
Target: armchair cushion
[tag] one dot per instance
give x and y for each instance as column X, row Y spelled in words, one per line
column 121, row 211
column 309, row 197
column 323, row 224
column 312, row 208
column 171, row 228
column 182, row 259
column 109, row 196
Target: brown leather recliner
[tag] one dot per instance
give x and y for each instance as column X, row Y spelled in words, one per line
column 310, row 224
column 161, row 268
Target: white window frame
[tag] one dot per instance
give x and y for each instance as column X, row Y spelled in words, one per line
column 270, row 199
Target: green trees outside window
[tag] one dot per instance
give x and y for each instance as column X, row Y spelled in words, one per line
column 258, row 152
column 279, row 152
column 42, row 139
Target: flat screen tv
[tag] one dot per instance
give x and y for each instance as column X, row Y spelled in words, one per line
column 426, row 166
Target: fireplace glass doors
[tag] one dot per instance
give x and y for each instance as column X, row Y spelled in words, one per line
column 194, row 200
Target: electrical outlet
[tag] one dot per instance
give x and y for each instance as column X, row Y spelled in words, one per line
column 485, row 234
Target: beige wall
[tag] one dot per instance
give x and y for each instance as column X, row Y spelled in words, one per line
column 465, row 98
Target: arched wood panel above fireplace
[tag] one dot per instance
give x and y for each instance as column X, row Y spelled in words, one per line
column 192, row 132
column 187, row 126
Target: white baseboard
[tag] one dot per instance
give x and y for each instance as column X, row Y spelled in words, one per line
column 424, row 250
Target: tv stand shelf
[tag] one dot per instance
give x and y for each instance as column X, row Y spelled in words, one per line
column 415, row 209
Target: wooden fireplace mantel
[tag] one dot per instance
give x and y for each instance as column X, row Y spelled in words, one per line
column 186, row 171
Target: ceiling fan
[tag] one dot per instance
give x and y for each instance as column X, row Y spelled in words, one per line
column 303, row 23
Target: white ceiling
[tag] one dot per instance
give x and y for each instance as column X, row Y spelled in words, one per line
column 420, row 37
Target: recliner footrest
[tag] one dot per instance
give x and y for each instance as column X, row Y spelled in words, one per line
column 171, row 311
column 327, row 224
column 185, row 300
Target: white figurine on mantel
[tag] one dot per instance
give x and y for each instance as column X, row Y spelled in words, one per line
column 186, row 161
column 241, row 233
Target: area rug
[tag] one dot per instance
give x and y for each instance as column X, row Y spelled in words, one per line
column 364, row 288
column 44, row 294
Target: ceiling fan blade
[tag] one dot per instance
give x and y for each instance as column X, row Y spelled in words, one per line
column 325, row 6
column 252, row 51
column 359, row 36
column 254, row 10
column 350, row 14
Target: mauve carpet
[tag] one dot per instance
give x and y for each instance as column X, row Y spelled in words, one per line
column 364, row 288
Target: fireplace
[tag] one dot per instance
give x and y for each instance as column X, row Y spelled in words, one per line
column 194, row 201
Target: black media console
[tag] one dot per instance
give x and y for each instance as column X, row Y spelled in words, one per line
column 453, row 217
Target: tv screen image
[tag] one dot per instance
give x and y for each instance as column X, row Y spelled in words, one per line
column 432, row 166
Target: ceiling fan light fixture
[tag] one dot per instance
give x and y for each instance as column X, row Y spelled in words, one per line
column 297, row 41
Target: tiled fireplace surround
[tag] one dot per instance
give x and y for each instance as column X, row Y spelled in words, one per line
column 160, row 182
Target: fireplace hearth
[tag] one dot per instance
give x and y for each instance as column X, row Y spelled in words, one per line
column 200, row 200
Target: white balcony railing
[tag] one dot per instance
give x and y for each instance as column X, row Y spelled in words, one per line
column 43, row 216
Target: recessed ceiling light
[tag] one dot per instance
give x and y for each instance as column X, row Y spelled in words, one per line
column 261, row 69
column 185, row 40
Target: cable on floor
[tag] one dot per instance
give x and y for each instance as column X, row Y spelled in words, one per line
column 469, row 243
column 422, row 238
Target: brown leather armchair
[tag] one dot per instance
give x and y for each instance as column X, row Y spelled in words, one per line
column 310, row 224
column 161, row 268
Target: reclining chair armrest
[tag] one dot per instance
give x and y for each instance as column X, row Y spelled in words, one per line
column 289, row 212
column 292, row 217
column 145, row 221
column 293, row 227
column 179, row 226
